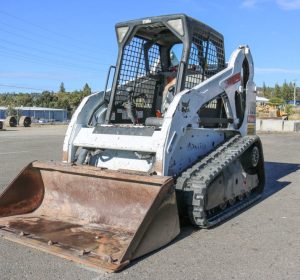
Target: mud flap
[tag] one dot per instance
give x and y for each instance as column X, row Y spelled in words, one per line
column 96, row 217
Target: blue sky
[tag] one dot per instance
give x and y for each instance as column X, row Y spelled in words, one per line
column 43, row 43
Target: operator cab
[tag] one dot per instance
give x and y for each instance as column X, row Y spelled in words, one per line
column 159, row 57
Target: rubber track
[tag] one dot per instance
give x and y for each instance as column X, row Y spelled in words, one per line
column 195, row 181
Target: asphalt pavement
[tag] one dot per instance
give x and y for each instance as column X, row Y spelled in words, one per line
column 262, row 242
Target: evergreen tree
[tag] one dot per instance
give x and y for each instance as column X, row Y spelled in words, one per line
column 277, row 91
column 264, row 89
column 62, row 88
column 287, row 91
column 86, row 90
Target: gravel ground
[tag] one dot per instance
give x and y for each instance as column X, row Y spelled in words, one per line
column 260, row 243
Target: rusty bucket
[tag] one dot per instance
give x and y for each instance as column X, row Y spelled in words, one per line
column 96, row 217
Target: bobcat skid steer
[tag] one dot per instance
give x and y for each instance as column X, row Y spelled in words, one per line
column 172, row 135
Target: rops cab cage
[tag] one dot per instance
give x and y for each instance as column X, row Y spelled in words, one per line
column 157, row 52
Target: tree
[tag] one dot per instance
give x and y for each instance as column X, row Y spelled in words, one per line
column 75, row 99
column 46, row 99
column 276, row 101
column 24, row 99
column 264, row 89
column 63, row 100
column 287, row 91
column 86, row 90
column 289, row 109
column 291, row 96
column 277, row 91
column 62, row 88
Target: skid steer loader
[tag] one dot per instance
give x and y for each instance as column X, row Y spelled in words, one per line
column 172, row 135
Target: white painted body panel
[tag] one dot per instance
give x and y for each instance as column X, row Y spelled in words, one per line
column 87, row 138
column 116, row 159
column 180, row 141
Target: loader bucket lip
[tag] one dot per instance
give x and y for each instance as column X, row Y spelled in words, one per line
column 106, row 265
column 72, row 216
column 102, row 172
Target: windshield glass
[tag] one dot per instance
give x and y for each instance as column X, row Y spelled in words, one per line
column 175, row 53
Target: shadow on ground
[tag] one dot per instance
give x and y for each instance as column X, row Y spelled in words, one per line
column 274, row 171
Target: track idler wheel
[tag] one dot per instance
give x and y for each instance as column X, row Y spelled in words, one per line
column 250, row 159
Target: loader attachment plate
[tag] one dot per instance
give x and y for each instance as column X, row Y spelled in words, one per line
column 96, row 217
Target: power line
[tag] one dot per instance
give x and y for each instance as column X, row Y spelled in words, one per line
column 42, row 62
column 45, row 28
column 68, row 57
column 22, row 87
column 57, row 47
column 17, row 54
column 87, row 46
column 40, row 58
